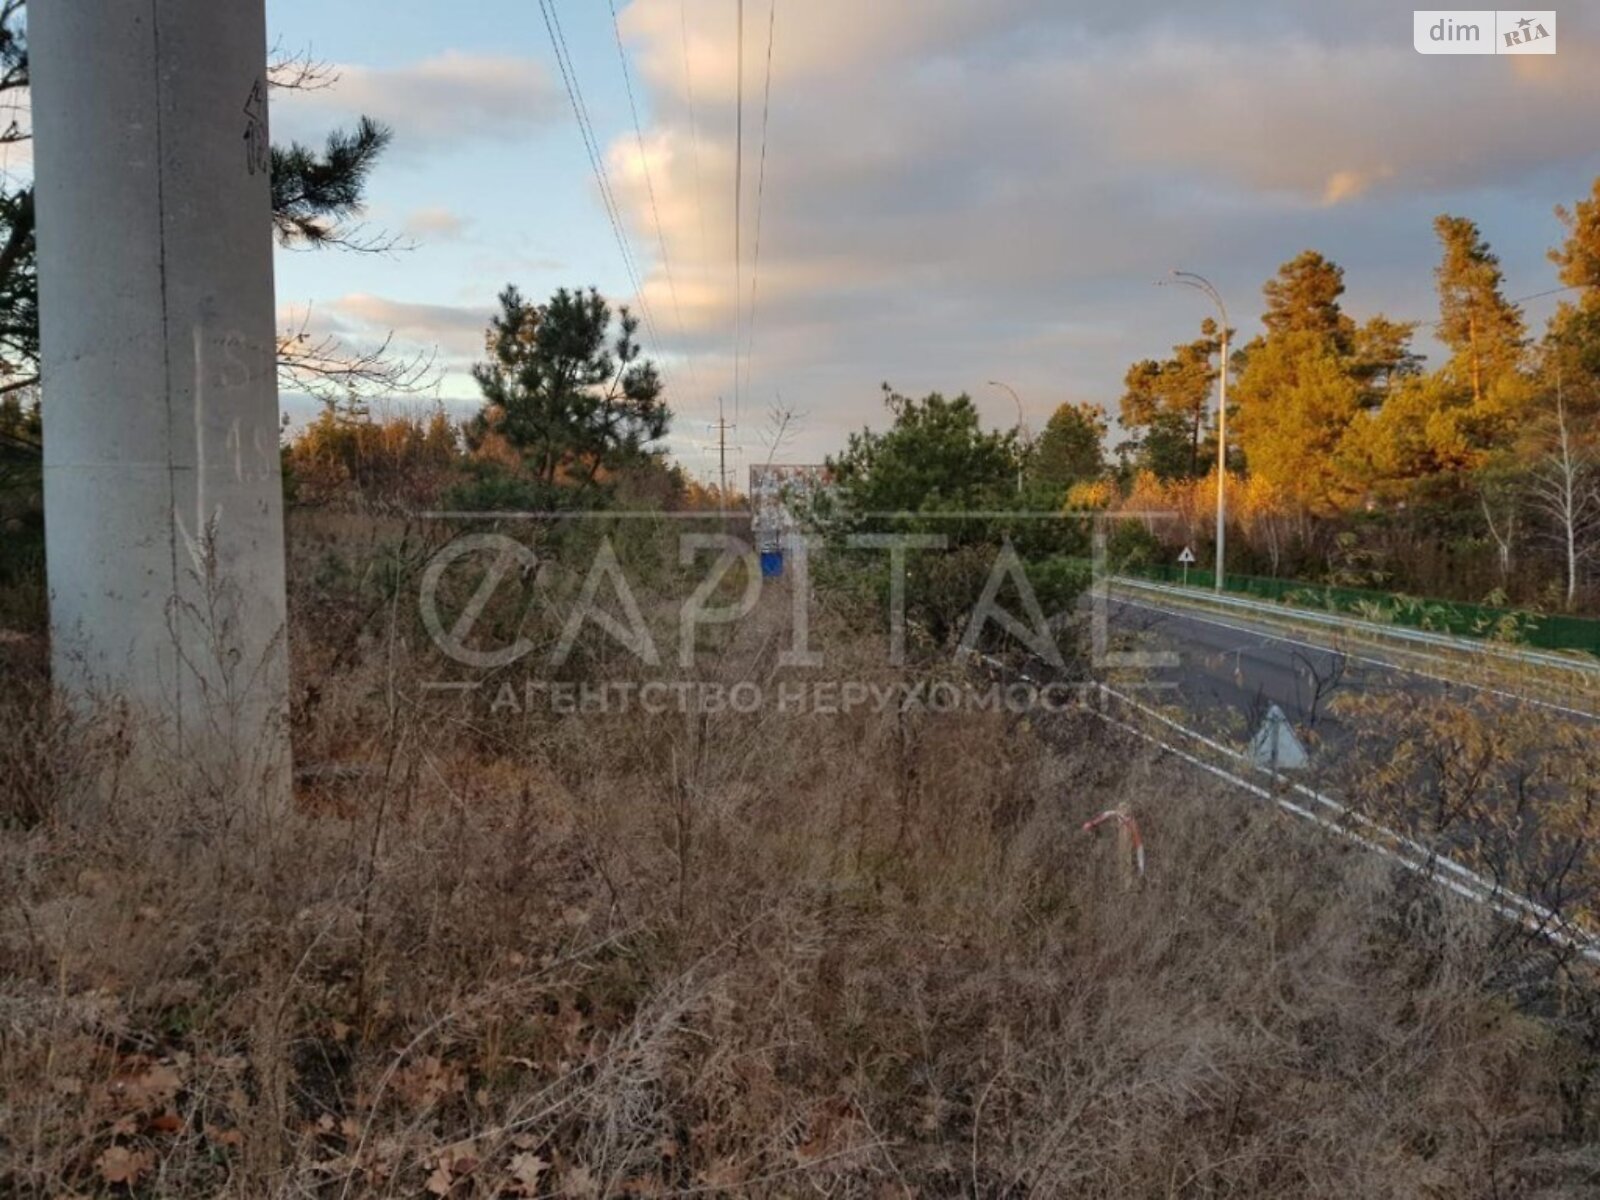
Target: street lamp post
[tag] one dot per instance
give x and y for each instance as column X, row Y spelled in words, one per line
column 1201, row 284
column 1022, row 424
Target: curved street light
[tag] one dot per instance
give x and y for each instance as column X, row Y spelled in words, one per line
column 1201, row 284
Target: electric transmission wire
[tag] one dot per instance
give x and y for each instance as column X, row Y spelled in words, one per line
column 569, row 79
column 761, row 189
column 603, row 177
column 1514, row 302
column 649, row 180
column 694, row 125
column 738, row 208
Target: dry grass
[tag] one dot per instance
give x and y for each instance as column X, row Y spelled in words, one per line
column 855, row 955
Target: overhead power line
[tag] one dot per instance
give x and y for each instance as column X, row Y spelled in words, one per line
column 761, row 186
column 1516, row 302
column 580, row 110
column 694, row 125
column 649, row 180
column 738, row 207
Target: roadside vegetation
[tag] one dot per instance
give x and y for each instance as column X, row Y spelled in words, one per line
column 1353, row 464
column 515, row 952
column 506, row 944
column 499, row 947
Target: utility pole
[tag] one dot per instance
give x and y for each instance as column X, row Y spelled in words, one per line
column 722, row 458
column 162, row 487
column 1201, row 284
column 1022, row 425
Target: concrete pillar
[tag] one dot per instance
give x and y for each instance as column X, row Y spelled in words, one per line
column 163, row 498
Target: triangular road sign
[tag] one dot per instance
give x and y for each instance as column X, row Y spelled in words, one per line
column 1275, row 747
column 1187, row 557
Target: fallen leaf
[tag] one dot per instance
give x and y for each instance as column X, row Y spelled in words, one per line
column 580, row 1182
column 426, row 1082
column 526, row 1169
column 120, row 1165
column 147, row 1088
column 724, row 1174
column 453, row 1164
column 167, row 1122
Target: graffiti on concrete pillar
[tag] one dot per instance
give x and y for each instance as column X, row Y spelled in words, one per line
column 257, row 149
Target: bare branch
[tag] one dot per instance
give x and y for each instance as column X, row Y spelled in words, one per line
column 300, row 71
column 1564, row 489
column 302, row 236
column 323, row 366
column 781, row 426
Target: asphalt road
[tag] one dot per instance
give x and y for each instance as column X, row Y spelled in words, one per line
column 1232, row 670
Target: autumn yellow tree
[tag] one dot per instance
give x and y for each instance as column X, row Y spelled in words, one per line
column 1164, row 404
column 1309, row 384
column 1483, row 329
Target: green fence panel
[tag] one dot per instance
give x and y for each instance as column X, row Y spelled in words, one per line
column 1541, row 630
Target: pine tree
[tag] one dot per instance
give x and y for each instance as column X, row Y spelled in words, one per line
column 1578, row 258
column 1571, row 350
column 1304, row 383
column 19, row 293
column 313, row 196
column 1161, row 397
column 935, row 456
column 1304, row 298
column 1072, row 447
column 1483, row 329
column 1297, row 401
column 571, row 399
column 1381, row 356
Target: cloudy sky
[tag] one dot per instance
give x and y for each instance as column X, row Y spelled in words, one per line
column 956, row 191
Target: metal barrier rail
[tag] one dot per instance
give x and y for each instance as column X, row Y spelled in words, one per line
column 1542, row 631
column 1428, row 862
column 1371, row 629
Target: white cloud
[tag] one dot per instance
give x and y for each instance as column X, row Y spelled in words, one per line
column 959, row 190
column 444, row 100
column 16, row 119
column 457, row 331
column 435, row 225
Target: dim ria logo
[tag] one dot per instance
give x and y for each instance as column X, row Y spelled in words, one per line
column 1484, row 31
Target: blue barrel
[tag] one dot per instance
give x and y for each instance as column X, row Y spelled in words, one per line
column 771, row 564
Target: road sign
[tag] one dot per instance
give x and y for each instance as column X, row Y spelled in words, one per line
column 1187, row 559
column 1275, row 746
